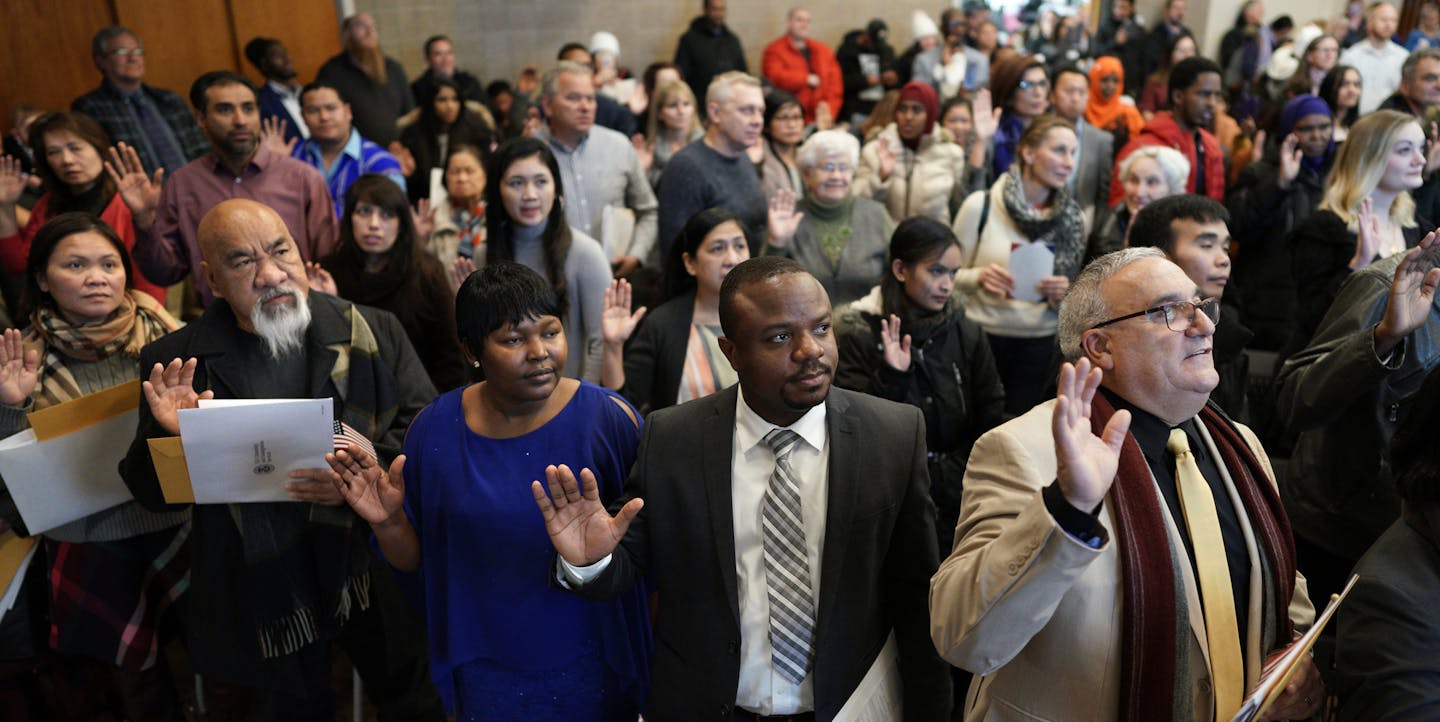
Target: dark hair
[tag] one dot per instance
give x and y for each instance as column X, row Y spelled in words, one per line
column 1282, row 24
column 104, row 35
column 215, row 79
column 1073, row 70
column 1039, row 128
column 1005, row 77
column 775, row 99
column 47, row 239
column 502, row 292
column 652, row 70
column 953, row 101
column 1186, row 72
column 496, row 87
column 256, row 50
column 381, row 191
column 1330, row 89
column 1151, row 227
column 482, row 156
column 435, row 39
column 1414, row 455
column 499, row 227
column 914, row 240
column 567, row 47
column 1240, row 14
column 755, row 270
column 318, row 85
column 84, row 128
column 677, row 279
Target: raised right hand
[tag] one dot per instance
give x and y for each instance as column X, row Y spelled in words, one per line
column 644, row 151
column 1367, row 236
column 1411, row 294
column 894, row 347
column 1085, row 463
column 460, row 270
column 170, row 389
column 140, row 193
column 616, row 321
column 582, row 531
column 986, row 118
column 1290, row 157
column 19, row 369
column 12, row 181
column 997, row 280
column 886, row 155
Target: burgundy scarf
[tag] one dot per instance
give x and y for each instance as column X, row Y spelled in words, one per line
column 1149, row 684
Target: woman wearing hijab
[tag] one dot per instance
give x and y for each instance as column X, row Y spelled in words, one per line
column 1271, row 197
column 1106, row 109
column 912, row 165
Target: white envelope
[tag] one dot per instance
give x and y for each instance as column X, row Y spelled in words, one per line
column 1029, row 263
column 243, row 450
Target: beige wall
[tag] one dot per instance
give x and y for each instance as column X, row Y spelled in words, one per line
column 496, row 38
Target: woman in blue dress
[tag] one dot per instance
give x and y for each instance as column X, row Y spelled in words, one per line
column 456, row 516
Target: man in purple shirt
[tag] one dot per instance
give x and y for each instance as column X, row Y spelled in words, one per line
column 167, row 248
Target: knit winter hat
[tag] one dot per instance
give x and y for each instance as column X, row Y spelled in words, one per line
column 922, row 25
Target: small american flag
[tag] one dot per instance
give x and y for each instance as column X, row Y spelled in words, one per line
column 346, row 436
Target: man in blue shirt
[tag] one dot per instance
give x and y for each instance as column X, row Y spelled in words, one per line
column 336, row 148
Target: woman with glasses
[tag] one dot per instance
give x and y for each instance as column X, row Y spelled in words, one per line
column 1366, row 214
column 1025, row 228
column 841, row 238
column 911, row 166
column 1319, row 57
column 782, row 133
column 1271, row 197
column 1021, row 89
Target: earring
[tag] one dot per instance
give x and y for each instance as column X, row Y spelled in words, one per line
column 476, row 364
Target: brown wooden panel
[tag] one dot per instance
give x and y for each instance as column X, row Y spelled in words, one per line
column 45, row 51
column 308, row 28
column 183, row 38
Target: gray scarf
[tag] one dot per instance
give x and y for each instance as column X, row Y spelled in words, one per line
column 1059, row 225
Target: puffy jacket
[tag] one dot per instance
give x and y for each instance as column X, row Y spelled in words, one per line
column 784, row 66
column 923, row 182
column 1163, row 130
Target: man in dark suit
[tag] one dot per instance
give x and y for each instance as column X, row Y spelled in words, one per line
column 780, row 573
column 280, row 95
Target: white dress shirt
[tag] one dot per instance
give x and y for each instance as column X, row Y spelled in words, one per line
column 762, row 689
column 1380, row 68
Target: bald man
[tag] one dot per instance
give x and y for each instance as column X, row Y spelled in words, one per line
column 272, row 584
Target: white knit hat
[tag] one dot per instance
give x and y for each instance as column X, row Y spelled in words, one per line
column 922, row 25
column 604, row 41
column 1285, row 61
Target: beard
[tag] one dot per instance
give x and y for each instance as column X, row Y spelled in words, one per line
column 371, row 61
column 282, row 328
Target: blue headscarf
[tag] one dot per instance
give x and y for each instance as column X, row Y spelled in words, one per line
column 1299, row 107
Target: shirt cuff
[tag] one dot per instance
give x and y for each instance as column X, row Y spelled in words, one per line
column 1392, row 360
column 571, row 576
column 1084, row 528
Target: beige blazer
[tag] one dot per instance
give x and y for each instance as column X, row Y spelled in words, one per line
column 1034, row 613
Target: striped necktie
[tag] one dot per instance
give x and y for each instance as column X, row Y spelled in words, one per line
column 787, row 565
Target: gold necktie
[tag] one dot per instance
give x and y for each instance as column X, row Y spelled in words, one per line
column 1227, row 665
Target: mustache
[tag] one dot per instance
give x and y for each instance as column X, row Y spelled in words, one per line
column 811, row 368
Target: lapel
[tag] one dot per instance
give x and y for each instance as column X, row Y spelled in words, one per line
column 328, row 330
column 216, row 338
column 717, row 444
column 843, row 487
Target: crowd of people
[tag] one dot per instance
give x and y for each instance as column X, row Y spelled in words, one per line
column 1061, row 371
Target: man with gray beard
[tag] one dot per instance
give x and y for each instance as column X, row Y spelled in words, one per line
column 272, row 584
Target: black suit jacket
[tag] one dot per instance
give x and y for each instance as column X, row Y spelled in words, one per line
column 875, row 568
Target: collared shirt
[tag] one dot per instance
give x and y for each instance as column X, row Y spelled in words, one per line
column 762, row 690
column 604, row 171
column 1380, row 67
column 170, row 249
column 358, row 157
column 290, row 98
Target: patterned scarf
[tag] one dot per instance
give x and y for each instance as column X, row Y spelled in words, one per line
column 139, row 320
column 303, row 591
column 1060, row 225
column 1156, row 635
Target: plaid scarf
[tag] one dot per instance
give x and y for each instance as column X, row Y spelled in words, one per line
column 1156, row 638
column 308, row 565
column 139, row 320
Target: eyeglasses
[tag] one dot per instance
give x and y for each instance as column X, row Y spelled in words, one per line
column 833, row 167
column 126, row 53
column 1042, row 84
column 1178, row 315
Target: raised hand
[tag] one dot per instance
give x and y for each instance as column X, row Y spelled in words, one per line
column 896, row 348
column 997, row 280
column 886, row 155
column 644, row 151
column 320, row 279
column 580, row 528
column 1085, row 463
column 12, row 181
column 616, row 321
column 1411, row 294
column 1367, row 236
column 423, row 213
column 1432, row 150
column 1290, row 157
column 824, row 116
column 19, row 369
column 140, row 193
column 170, row 389
column 402, row 154
column 272, row 135
column 460, row 270
column 376, row 496
column 987, row 118
column 783, row 218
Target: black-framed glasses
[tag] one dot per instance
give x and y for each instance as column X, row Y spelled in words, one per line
column 1177, row 315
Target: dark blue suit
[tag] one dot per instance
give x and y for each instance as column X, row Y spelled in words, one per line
column 271, row 106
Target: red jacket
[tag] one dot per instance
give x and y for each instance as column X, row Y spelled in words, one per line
column 784, row 66
column 15, row 250
column 1162, row 130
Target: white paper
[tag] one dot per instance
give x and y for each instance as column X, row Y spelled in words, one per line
column 617, row 228
column 12, row 590
column 1278, row 671
column 878, row 697
column 1029, row 263
column 68, row 477
column 241, row 451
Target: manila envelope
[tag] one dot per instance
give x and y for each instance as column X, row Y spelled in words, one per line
column 169, row 459
column 62, row 419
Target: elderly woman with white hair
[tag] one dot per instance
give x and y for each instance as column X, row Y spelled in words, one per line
column 1147, row 174
column 841, row 237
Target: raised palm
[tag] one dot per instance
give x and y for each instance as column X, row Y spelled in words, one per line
column 986, row 118
column 783, row 218
column 19, row 369
column 896, row 348
column 1085, row 463
column 1413, row 291
column 377, row 496
column 12, row 181
column 617, row 322
column 580, row 528
column 140, row 193
column 170, row 389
